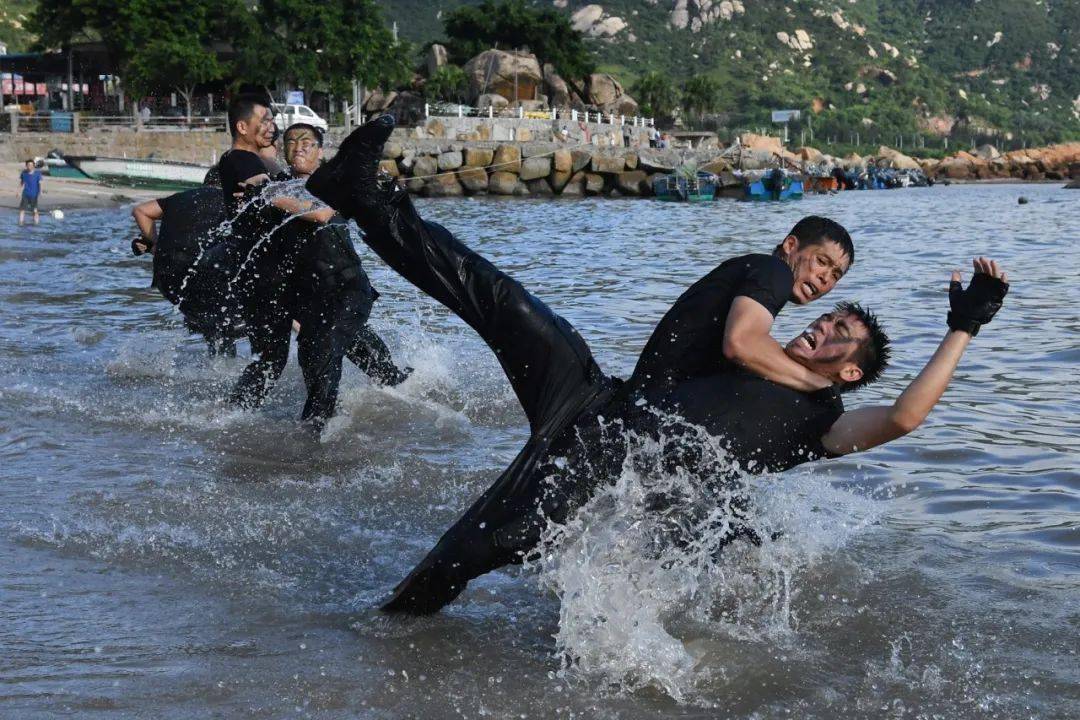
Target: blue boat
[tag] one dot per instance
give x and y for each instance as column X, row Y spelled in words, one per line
column 774, row 185
column 700, row 187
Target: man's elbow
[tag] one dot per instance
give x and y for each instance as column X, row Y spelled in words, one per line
column 734, row 349
column 904, row 423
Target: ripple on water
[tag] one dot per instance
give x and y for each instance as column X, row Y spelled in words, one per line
column 165, row 555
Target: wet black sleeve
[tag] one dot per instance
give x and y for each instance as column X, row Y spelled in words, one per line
column 768, row 281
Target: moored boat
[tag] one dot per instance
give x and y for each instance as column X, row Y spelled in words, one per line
column 774, row 185
column 162, row 173
column 677, row 187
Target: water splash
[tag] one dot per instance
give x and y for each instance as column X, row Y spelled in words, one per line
column 639, row 580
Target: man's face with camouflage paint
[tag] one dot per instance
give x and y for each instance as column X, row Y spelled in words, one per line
column 302, row 151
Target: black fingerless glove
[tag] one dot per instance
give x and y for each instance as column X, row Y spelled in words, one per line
column 976, row 305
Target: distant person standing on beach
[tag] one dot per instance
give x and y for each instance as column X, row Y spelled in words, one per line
column 30, row 186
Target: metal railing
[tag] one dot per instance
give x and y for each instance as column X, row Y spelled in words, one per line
column 80, row 122
column 574, row 115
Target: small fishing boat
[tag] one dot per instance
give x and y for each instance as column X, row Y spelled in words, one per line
column 699, row 187
column 774, row 185
column 159, row 173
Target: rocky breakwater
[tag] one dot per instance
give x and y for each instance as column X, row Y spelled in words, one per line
column 532, row 169
column 1051, row 163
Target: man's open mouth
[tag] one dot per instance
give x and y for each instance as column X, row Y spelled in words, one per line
column 809, row 290
column 808, row 337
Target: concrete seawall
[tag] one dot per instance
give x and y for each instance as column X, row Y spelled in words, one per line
column 454, row 157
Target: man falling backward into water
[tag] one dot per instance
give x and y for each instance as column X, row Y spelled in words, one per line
column 710, row 361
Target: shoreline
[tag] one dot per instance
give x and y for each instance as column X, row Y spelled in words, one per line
column 70, row 193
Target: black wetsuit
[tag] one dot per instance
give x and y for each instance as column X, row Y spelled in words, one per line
column 576, row 413
column 186, row 271
column 303, row 271
column 310, row 273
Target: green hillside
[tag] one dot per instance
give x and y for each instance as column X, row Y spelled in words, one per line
column 884, row 66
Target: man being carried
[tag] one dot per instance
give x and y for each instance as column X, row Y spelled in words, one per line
column 578, row 415
column 303, row 269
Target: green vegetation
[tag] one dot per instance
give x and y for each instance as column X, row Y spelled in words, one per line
column 1021, row 84
column 448, row 84
column 164, row 45
column 1007, row 71
column 513, row 24
column 14, row 14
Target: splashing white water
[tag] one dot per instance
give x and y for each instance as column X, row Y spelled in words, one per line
column 638, row 581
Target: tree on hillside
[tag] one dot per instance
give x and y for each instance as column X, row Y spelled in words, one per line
column 701, row 95
column 323, row 42
column 657, row 95
column 512, row 24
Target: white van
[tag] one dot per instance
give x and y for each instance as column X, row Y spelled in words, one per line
column 286, row 115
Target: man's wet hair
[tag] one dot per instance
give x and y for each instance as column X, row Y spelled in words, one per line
column 815, row 230
column 318, row 133
column 242, row 107
column 873, row 354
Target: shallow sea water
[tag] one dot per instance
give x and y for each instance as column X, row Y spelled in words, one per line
column 162, row 555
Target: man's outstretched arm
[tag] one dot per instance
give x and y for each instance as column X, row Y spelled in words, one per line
column 868, row 427
column 747, row 343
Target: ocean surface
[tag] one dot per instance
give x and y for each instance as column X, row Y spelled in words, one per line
column 165, row 556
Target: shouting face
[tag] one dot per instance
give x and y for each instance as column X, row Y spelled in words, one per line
column 830, row 345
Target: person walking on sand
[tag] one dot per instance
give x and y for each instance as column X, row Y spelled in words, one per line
column 30, row 189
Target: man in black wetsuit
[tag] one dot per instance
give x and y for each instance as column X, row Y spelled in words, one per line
column 268, row 270
column 578, row 416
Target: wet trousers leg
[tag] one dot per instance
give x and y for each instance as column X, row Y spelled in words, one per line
column 270, row 338
column 369, row 353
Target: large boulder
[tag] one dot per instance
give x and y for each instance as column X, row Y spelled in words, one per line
column 539, row 187
column 608, row 163
column 378, row 100
column 810, row 155
column 607, row 93
column 507, row 159
column 955, row 169
column 435, row 59
column 753, row 141
column 535, row 167
column 896, row 159
column 556, row 89
column 632, row 183
column 492, row 100
column 451, row 160
column 987, row 152
column 594, row 184
column 445, row 185
column 559, row 179
column 425, row 165
column 473, row 179
column 580, row 159
column 501, row 72
column 502, row 183
column 658, row 160
column 479, row 157
column 563, row 161
column 575, row 187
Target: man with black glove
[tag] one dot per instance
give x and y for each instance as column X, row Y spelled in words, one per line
column 971, row 308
